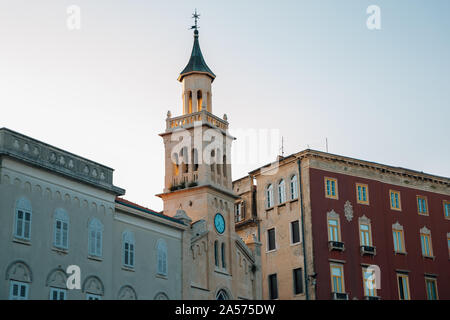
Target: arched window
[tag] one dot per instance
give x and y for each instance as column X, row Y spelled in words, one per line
column 212, row 161
column 218, row 162
column 222, row 249
column 176, row 164
column 199, row 100
column 294, row 187
column 195, row 159
column 95, row 238
column 190, row 102
column 216, row 253
column 222, row 295
column 19, row 275
column 282, row 191
column 224, row 166
column 93, row 287
column 161, row 251
column 269, row 196
column 61, row 229
column 184, row 160
column 128, row 246
column 22, row 225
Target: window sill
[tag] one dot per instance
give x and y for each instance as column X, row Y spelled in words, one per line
column 268, row 209
column 423, row 214
column 60, row 250
column 363, row 203
column 332, row 198
column 293, row 200
column 394, row 209
column 429, row 257
column 403, row 253
column 222, row 271
column 95, row 258
column 296, row 244
column 130, row 269
column 282, row 204
column 22, row 241
column 161, row 276
column 270, row 251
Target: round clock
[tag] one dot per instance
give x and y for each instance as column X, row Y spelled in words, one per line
column 219, row 223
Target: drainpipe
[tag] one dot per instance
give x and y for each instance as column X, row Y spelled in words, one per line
column 299, row 163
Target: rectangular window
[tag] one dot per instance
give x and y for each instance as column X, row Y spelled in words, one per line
column 399, row 243
column 427, row 249
column 395, row 200
column 271, row 245
column 18, row 290
column 333, row 230
column 331, row 188
column 295, row 232
column 273, row 287
column 337, row 278
column 238, row 213
column 362, row 193
column 403, row 286
column 365, row 235
column 422, row 205
column 23, row 225
column 61, row 239
column 447, row 209
column 448, row 243
column 431, row 286
column 298, row 281
column 58, row 294
column 369, row 282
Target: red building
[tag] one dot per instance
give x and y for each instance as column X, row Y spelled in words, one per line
column 370, row 231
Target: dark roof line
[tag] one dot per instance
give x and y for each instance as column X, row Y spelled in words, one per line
column 146, row 210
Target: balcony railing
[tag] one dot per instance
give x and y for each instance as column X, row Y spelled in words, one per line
column 368, row 250
column 339, row 296
column 336, row 245
column 188, row 120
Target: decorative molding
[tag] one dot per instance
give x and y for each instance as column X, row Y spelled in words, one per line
column 364, row 219
column 348, row 210
column 332, row 214
column 42, row 155
column 397, row 226
column 425, row 230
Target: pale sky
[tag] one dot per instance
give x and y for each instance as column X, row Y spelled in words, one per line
column 310, row 69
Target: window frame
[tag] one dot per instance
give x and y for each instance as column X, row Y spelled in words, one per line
column 96, row 226
column 331, row 196
column 341, row 268
column 299, row 272
column 361, row 201
column 368, row 231
column 274, row 240
column 338, row 227
column 269, row 196
column 429, row 253
column 424, row 198
column 403, row 276
column 62, row 217
column 58, row 291
column 269, row 278
column 293, row 184
column 128, row 239
column 391, row 191
column 24, row 206
column 281, row 188
column 20, row 284
column 402, row 238
column 446, row 207
column 365, row 282
column 94, row 296
column 434, row 280
column 162, row 257
column 291, row 229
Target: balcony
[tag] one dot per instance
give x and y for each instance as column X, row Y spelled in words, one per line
column 336, row 245
column 368, row 250
column 196, row 118
column 372, row 298
column 339, row 296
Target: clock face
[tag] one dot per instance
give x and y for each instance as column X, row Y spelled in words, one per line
column 219, row 223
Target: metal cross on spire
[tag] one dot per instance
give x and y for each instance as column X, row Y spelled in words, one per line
column 195, row 16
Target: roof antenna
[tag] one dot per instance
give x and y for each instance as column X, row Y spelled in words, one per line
column 326, row 143
column 282, row 146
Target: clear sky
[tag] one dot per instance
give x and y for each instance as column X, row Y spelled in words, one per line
column 308, row 68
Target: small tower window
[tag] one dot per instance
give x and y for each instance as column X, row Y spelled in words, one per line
column 190, row 102
column 199, row 100
column 224, row 166
column 195, row 159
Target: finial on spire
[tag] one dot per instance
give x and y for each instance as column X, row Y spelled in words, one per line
column 195, row 16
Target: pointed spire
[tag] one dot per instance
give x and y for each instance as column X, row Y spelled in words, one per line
column 196, row 63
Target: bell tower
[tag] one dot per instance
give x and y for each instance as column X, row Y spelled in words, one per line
column 197, row 144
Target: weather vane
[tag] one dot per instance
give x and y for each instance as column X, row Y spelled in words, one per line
column 195, row 16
